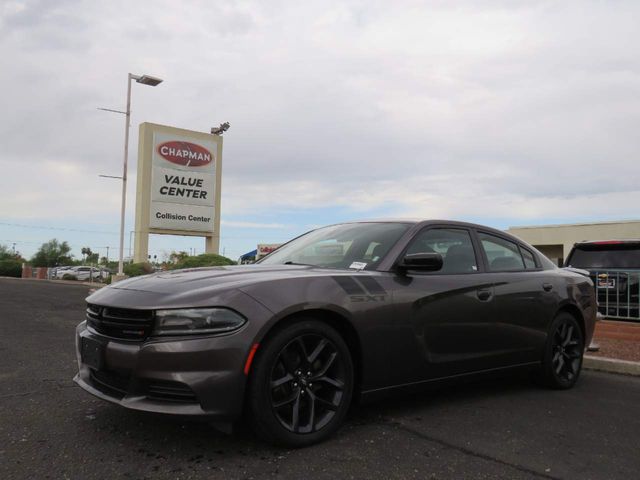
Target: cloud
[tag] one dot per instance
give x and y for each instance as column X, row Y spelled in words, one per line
column 444, row 196
column 230, row 223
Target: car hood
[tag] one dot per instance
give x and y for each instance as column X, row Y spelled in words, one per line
column 212, row 279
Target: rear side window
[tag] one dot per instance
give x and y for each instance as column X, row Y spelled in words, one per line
column 453, row 244
column 605, row 256
column 502, row 254
column 529, row 260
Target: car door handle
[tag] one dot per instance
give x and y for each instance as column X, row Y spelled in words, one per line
column 484, row 294
column 547, row 287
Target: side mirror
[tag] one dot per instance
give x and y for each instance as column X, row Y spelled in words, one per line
column 426, row 262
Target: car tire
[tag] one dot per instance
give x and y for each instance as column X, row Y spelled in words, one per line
column 563, row 353
column 301, row 384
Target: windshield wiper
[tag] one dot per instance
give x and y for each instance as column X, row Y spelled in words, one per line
column 294, row 263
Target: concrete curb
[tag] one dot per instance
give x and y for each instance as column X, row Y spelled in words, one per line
column 611, row 365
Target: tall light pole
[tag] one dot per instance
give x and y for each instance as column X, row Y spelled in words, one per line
column 152, row 82
column 131, row 232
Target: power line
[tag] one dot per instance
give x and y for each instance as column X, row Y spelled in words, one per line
column 229, row 237
column 37, row 227
column 72, row 245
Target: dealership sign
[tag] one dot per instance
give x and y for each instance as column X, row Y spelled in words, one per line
column 266, row 248
column 178, row 183
column 185, row 153
column 183, row 183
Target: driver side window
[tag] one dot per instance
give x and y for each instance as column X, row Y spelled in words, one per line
column 453, row 244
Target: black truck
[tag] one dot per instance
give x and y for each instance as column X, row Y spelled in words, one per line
column 614, row 267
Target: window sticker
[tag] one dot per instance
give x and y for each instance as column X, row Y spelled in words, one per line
column 358, row 265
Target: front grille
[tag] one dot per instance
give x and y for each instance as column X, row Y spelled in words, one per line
column 122, row 323
column 167, row 391
column 118, row 385
column 111, row 383
column 617, row 293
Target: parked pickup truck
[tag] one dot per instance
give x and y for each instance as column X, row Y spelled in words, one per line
column 614, row 267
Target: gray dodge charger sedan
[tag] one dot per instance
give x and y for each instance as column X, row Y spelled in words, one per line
column 345, row 312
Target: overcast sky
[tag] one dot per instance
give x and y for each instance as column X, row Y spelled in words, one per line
column 500, row 112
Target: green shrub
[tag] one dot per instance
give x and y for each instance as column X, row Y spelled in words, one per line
column 10, row 268
column 69, row 276
column 204, row 260
column 137, row 269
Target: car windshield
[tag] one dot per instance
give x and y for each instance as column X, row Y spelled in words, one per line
column 359, row 246
column 613, row 256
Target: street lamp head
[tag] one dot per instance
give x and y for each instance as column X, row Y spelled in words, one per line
column 221, row 129
column 149, row 80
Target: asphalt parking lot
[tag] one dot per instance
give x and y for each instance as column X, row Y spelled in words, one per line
column 507, row 428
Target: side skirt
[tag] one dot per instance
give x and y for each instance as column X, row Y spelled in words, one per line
column 384, row 392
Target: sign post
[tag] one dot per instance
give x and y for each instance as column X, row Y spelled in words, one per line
column 178, row 186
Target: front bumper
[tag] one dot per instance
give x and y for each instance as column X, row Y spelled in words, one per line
column 197, row 377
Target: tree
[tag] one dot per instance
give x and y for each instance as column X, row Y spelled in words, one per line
column 10, row 262
column 177, row 257
column 7, row 253
column 204, row 260
column 92, row 258
column 51, row 254
column 86, row 252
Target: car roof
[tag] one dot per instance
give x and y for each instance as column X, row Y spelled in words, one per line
column 608, row 242
column 426, row 222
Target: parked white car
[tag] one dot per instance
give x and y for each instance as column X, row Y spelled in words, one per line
column 58, row 272
column 81, row 273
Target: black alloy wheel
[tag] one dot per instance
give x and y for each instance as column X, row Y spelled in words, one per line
column 563, row 356
column 302, row 384
column 307, row 383
column 566, row 355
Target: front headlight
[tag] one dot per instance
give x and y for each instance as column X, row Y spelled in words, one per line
column 196, row 321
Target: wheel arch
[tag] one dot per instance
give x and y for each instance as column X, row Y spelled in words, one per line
column 338, row 321
column 575, row 312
